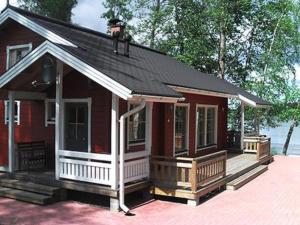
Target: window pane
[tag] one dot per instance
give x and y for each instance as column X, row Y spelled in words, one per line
column 211, row 115
column 180, row 128
column 16, row 116
column 137, row 126
column 200, row 127
column 15, row 55
column 51, row 111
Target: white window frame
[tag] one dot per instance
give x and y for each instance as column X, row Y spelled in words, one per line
column 13, row 47
column 187, row 142
column 72, row 100
column 47, row 122
column 6, row 120
column 129, row 104
column 216, row 107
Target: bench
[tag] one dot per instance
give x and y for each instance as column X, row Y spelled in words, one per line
column 32, row 155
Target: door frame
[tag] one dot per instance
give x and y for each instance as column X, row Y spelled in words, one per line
column 78, row 100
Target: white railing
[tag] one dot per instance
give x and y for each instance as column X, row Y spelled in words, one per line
column 136, row 170
column 96, row 168
column 87, row 167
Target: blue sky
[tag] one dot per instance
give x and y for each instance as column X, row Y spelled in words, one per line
column 88, row 14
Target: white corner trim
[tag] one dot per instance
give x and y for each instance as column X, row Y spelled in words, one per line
column 247, row 101
column 67, row 58
column 49, row 35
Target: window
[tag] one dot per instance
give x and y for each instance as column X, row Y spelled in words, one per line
column 206, row 126
column 181, row 129
column 15, row 53
column 17, row 112
column 137, row 126
column 49, row 112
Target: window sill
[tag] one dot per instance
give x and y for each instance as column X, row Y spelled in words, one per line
column 50, row 123
column 206, row 147
column 186, row 152
column 136, row 144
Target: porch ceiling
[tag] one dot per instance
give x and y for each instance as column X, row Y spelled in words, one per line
column 24, row 81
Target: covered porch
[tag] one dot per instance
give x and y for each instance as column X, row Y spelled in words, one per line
column 92, row 162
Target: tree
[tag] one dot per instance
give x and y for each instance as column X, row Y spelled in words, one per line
column 288, row 110
column 118, row 9
column 57, row 9
column 152, row 17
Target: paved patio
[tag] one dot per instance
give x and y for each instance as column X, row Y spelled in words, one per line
column 272, row 198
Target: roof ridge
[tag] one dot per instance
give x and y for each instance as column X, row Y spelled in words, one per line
column 77, row 27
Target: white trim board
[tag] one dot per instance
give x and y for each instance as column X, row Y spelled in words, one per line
column 217, row 94
column 187, row 136
column 49, row 35
column 67, row 58
column 72, row 100
column 216, row 107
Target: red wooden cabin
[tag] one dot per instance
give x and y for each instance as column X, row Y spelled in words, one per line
column 110, row 120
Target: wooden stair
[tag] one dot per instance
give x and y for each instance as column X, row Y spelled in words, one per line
column 246, row 177
column 30, row 192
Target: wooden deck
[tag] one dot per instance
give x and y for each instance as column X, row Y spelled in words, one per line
column 236, row 166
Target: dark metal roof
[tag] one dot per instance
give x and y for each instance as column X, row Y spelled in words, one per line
column 146, row 71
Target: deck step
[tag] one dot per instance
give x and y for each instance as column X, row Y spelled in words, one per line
column 30, row 186
column 245, row 178
column 26, row 196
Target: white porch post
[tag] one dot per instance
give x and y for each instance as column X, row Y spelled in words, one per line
column 242, row 125
column 58, row 115
column 149, row 109
column 114, row 140
column 11, row 131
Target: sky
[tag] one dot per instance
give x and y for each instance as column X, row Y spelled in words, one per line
column 87, row 13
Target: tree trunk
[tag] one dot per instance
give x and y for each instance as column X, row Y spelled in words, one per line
column 288, row 138
column 222, row 52
column 154, row 23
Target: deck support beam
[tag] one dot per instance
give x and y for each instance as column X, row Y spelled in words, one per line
column 58, row 115
column 242, row 125
column 114, row 140
column 11, row 131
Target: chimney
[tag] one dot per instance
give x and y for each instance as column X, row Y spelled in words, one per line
column 117, row 28
column 127, row 40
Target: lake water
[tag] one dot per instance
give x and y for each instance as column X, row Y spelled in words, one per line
column 278, row 137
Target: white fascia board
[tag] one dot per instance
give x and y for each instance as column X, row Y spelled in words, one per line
column 201, row 92
column 150, row 98
column 72, row 61
column 49, row 35
column 247, row 101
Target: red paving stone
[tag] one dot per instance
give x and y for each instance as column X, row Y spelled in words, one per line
column 272, row 198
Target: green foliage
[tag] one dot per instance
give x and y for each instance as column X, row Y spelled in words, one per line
column 57, row 9
column 257, row 40
column 120, row 9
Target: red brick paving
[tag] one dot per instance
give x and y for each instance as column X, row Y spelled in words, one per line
column 271, row 199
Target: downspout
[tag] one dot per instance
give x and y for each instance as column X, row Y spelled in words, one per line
column 122, row 155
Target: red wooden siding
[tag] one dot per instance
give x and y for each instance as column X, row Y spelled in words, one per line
column 77, row 85
column 13, row 33
column 16, row 34
column 163, row 124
